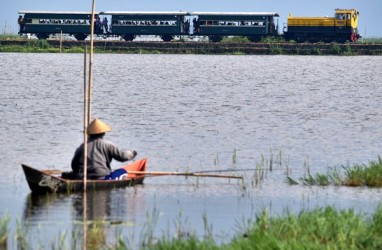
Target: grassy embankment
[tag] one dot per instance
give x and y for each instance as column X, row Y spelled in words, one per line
column 276, row 47
column 34, row 46
column 325, row 228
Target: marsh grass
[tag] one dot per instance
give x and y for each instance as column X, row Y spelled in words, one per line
column 324, row 228
column 364, row 175
column 266, row 165
column 4, row 223
column 321, row 228
column 148, row 232
column 21, row 235
column 369, row 175
column 96, row 238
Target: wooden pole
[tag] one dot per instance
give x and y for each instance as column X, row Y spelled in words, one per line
column 91, row 63
column 88, row 94
column 85, row 119
column 184, row 174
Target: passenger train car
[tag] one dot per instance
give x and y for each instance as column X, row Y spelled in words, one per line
column 128, row 25
column 44, row 23
column 168, row 25
column 216, row 25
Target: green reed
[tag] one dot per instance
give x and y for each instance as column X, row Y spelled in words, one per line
column 21, row 235
column 364, row 175
column 325, row 228
column 321, row 228
column 369, row 175
column 4, row 223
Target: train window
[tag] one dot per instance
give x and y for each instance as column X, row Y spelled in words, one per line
column 231, row 23
column 339, row 16
column 62, row 21
column 144, row 23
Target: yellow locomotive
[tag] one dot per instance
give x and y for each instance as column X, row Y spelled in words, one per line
column 340, row 28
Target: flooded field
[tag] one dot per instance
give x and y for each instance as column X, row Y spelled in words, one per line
column 188, row 113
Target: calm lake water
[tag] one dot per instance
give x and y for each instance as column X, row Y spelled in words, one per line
column 188, row 113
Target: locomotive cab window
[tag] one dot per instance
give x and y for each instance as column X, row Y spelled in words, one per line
column 342, row 16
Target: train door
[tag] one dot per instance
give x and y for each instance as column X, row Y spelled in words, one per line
column 186, row 27
column 273, row 25
column 103, row 24
column 194, row 25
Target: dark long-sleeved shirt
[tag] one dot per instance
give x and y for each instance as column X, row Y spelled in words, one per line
column 100, row 154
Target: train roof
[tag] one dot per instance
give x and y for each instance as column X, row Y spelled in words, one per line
column 153, row 13
column 235, row 14
column 55, row 12
column 145, row 12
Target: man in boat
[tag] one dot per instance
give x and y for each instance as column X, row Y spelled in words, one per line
column 100, row 153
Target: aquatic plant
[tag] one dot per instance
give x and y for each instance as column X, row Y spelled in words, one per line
column 21, row 235
column 357, row 175
column 258, row 176
column 183, row 229
column 4, row 223
column 234, row 158
column 148, row 232
column 96, row 237
column 324, row 228
column 61, row 242
column 321, row 228
column 207, row 227
column 364, row 175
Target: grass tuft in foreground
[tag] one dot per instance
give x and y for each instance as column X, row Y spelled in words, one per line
column 364, row 175
column 4, row 222
column 321, row 228
column 325, row 228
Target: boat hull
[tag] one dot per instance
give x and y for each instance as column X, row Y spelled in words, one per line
column 40, row 182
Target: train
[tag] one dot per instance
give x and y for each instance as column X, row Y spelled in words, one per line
column 168, row 25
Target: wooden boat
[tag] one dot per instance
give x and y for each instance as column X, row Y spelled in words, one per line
column 41, row 181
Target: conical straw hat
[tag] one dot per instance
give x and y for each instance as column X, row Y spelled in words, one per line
column 98, row 127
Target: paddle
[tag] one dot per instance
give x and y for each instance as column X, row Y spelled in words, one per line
column 157, row 173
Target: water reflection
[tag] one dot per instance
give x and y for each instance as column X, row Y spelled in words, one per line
column 115, row 205
column 38, row 206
